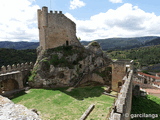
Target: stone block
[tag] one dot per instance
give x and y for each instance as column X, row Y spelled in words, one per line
column 116, row 116
column 120, row 108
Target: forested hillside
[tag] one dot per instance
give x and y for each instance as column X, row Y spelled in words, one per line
column 12, row 56
column 126, row 43
column 137, row 49
column 143, row 56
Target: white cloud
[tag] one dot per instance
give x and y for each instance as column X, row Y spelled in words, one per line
column 125, row 21
column 116, row 1
column 18, row 20
column 76, row 4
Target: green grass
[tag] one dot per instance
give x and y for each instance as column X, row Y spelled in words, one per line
column 147, row 105
column 58, row 104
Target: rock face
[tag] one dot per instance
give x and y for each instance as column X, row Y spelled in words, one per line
column 70, row 66
column 11, row 111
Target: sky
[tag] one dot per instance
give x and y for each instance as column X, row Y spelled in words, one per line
column 95, row 19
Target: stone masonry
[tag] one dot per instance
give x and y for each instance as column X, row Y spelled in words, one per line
column 119, row 70
column 122, row 106
column 55, row 29
column 14, row 77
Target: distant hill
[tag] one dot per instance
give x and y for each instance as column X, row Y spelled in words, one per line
column 19, row 45
column 106, row 44
column 126, row 43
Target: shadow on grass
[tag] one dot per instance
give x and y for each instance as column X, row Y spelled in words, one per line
column 146, row 105
column 83, row 92
column 17, row 95
column 79, row 93
column 13, row 94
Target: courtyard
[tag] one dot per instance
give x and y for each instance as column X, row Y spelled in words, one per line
column 61, row 104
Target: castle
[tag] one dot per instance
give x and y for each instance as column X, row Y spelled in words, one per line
column 55, row 29
column 83, row 65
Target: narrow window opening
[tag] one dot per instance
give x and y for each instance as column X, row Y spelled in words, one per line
column 67, row 43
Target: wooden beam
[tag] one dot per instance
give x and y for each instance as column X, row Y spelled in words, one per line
column 87, row 112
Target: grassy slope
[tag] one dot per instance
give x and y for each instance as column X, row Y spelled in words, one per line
column 148, row 105
column 62, row 105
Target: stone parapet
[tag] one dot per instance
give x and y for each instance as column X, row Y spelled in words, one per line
column 122, row 106
column 18, row 67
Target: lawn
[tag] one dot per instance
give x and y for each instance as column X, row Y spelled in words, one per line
column 147, row 105
column 59, row 104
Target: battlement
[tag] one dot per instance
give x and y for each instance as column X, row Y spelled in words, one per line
column 18, row 67
column 55, row 29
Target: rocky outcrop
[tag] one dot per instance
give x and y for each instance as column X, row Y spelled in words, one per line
column 69, row 66
column 95, row 48
column 11, row 111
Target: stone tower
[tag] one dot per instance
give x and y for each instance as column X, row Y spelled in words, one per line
column 55, row 29
column 120, row 68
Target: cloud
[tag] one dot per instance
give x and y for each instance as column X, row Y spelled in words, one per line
column 116, row 1
column 76, row 4
column 18, row 20
column 125, row 21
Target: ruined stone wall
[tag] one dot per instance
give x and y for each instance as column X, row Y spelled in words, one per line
column 55, row 29
column 122, row 107
column 14, row 77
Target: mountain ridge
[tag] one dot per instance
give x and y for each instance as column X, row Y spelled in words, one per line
column 106, row 44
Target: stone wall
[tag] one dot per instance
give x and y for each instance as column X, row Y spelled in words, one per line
column 55, row 29
column 119, row 70
column 14, row 77
column 18, row 67
column 122, row 106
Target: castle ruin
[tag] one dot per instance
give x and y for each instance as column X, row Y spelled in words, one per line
column 120, row 68
column 55, row 29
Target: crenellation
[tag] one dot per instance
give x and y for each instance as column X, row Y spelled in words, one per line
column 60, row 12
column 3, row 69
column 22, row 66
column 14, row 76
column 18, row 67
column 9, row 68
column 26, row 66
column 14, row 67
